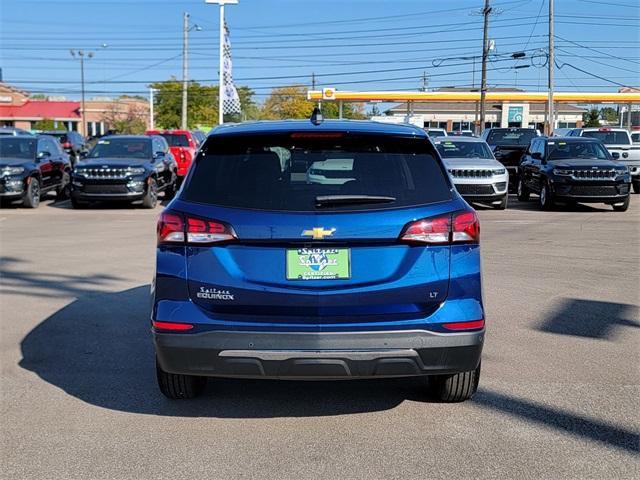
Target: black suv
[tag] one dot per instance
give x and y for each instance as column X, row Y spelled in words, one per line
column 508, row 145
column 125, row 168
column 571, row 169
column 72, row 142
column 31, row 166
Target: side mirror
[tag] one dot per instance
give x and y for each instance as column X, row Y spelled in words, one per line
column 536, row 155
column 43, row 154
column 615, row 155
column 158, row 155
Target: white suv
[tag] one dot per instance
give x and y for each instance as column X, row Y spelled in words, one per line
column 475, row 172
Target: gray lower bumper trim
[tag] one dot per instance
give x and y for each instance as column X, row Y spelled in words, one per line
column 280, row 355
column 318, row 355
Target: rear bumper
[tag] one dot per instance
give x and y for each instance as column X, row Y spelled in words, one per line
column 318, row 355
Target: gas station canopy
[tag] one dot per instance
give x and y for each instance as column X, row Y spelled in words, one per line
column 331, row 94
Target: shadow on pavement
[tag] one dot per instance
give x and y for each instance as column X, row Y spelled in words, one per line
column 23, row 281
column 571, row 423
column 98, row 349
column 590, row 318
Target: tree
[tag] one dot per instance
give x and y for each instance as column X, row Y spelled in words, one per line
column 591, row 118
column 349, row 110
column 46, row 124
column 125, row 117
column 609, row 114
column 375, row 111
column 202, row 104
column 37, row 96
column 287, row 102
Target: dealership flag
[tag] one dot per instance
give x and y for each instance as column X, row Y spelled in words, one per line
column 230, row 98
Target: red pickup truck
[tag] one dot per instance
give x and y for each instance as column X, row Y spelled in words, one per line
column 183, row 146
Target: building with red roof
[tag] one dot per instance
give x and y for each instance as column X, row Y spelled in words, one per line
column 18, row 110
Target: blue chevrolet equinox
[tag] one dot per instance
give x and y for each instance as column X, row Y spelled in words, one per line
column 318, row 250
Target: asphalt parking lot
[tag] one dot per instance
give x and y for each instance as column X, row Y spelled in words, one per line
column 558, row 396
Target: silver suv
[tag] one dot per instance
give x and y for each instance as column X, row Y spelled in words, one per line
column 475, row 172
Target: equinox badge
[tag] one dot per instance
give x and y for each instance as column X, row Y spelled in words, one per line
column 318, row 233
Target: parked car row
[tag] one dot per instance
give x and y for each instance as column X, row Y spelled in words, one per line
column 574, row 169
column 117, row 168
column 136, row 169
column 579, row 167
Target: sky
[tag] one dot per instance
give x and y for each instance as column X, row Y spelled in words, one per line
column 347, row 44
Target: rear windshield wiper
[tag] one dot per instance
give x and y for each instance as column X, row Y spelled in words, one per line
column 328, row 200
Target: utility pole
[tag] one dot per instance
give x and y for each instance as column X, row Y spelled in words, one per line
column 486, row 11
column 313, row 81
column 551, row 122
column 185, row 66
column 425, row 81
column 222, row 3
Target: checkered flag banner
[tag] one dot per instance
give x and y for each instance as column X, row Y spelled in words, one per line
column 230, row 98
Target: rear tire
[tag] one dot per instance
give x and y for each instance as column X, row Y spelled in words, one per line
column 176, row 386
column 455, row 388
column 503, row 203
column 150, row 199
column 636, row 187
column 31, row 198
column 523, row 191
column 622, row 207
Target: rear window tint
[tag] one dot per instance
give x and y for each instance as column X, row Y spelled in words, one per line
column 289, row 171
column 458, row 149
column 511, row 137
column 609, row 138
column 176, row 140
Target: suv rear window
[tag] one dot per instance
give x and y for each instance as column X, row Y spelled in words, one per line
column 511, row 137
column 609, row 137
column 175, row 140
column 62, row 137
column 291, row 171
column 461, row 149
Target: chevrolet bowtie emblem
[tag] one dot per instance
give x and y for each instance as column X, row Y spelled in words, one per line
column 318, row 233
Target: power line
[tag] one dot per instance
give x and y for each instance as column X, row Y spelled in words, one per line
column 593, row 75
column 593, row 49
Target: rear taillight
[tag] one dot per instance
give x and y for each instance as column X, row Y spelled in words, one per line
column 208, row 231
column 170, row 228
column 465, row 227
column 66, row 145
column 173, row 228
column 461, row 227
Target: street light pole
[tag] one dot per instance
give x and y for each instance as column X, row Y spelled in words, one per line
column 151, row 110
column 222, row 3
column 80, row 54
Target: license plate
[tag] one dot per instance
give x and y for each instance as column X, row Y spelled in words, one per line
column 318, row 264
